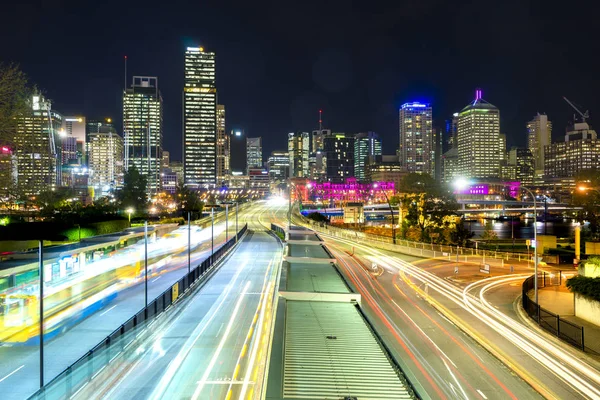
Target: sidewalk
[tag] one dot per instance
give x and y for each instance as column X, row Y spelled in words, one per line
column 560, row 301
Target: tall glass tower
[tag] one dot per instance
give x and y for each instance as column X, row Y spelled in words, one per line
column 365, row 144
column 142, row 129
column 417, row 150
column 199, row 119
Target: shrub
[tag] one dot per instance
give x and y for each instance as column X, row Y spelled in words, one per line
column 585, row 286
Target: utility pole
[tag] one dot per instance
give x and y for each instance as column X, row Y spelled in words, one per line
column 41, row 274
column 146, row 267
column 226, row 222
column 189, row 244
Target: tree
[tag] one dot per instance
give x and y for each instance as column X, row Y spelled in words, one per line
column 460, row 235
column 51, row 201
column 187, row 200
column 488, row 232
column 427, row 214
column 419, row 183
column 14, row 97
column 133, row 194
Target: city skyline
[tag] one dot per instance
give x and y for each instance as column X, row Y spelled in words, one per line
column 363, row 98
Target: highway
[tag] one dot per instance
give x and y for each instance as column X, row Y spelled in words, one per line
column 214, row 345
column 19, row 364
column 438, row 327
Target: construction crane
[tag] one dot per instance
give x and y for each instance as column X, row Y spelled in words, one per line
column 584, row 115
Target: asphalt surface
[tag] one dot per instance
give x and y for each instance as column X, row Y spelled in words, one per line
column 19, row 364
column 215, row 347
column 418, row 313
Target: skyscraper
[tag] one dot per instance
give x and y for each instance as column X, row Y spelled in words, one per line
column 278, row 166
column 317, row 139
column 106, row 154
column 539, row 135
column 142, row 129
column 75, row 127
column 478, row 140
column 417, row 150
column 339, row 155
column 365, row 144
column 298, row 149
column 37, row 148
column 253, row 153
column 223, row 146
column 199, row 119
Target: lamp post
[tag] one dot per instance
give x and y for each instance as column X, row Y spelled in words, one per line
column 236, row 221
column 212, row 232
column 130, row 211
column 146, row 267
column 375, row 185
column 226, row 222
column 189, row 244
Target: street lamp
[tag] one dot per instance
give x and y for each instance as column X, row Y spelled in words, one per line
column 462, row 183
column 130, row 211
column 585, row 189
column 376, row 185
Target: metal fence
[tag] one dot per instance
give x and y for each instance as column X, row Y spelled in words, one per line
column 553, row 323
column 278, row 229
column 78, row 374
column 464, row 254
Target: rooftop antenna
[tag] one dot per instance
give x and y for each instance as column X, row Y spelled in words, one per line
column 125, row 76
column 320, row 120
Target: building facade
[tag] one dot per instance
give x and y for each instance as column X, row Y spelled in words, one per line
column 278, row 166
column 578, row 153
column 254, row 157
column 199, row 119
column 143, row 129
column 37, row 148
column 478, row 140
column 338, row 150
column 366, row 145
column 223, row 147
column 75, row 127
column 298, row 151
column 417, row 149
column 106, row 162
column 539, row 135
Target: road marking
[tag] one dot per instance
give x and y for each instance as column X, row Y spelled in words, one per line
column 15, row 371
column 481, row 393
column 155, row 279
column 223, row 324
column 108, row 310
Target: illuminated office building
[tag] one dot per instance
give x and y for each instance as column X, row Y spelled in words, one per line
column 223, row 147
column 74, row 128
column 106, row 159
column 478, row 140
column 143, row 129
column 417, row 149
column 278, row 166
column 253, row 154
column 199, row 119
column 37, row 148
column 339, row 156
column 579, row 152
column 365, row 145
column 539, row 135
column 298, row 150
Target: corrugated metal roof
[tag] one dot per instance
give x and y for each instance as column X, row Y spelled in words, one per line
column 305, row 277
column 331, row 353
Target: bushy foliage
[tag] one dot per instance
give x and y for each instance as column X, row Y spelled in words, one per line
column 318, row 217
column 585, row 286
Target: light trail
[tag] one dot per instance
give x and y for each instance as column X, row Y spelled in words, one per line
column 521, row 336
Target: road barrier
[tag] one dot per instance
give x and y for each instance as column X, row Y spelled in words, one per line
column 78, row 374
column 553, row 323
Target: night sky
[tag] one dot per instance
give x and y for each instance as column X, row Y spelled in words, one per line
column 278, row 64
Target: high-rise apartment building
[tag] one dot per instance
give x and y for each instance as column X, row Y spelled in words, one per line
column 223, row 147
column 365, row 144
column 199, row 119
column 502, row 148
column 339, row 155
column 253, row 153
column 106, row 161
column 165, row 160
column 478, row 140
column 143, row 129
column 519, row 167
column 451, row 130
column 539, row 135
column 37, row 148
column 8, row 172
column 417, row 149
column 298, row 150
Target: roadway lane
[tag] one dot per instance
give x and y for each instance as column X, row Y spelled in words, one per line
column 439, row 358
column 554, row 370
column 212, row 347
column 19, row 364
